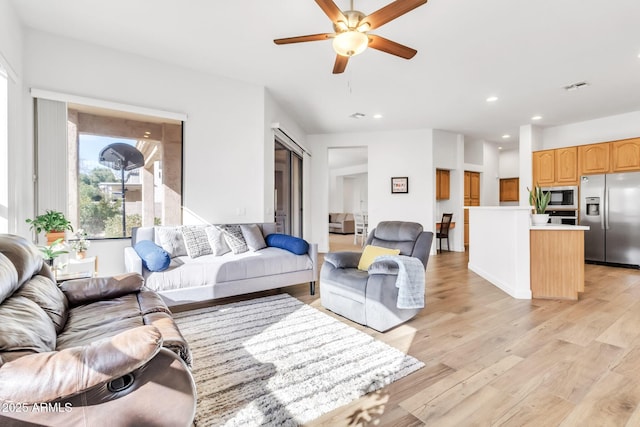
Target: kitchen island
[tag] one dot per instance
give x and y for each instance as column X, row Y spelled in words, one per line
column 526, row 261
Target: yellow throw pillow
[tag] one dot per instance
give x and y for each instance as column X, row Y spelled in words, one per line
column 372, row 252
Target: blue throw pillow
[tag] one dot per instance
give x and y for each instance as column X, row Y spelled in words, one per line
column 283, row 241
column 154, row 258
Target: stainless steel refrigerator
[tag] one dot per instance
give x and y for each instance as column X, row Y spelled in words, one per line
column 610, row 205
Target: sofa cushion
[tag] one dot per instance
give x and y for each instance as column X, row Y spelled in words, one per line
column 234, row 238
column 292, row 244
column 116, row 315
column 25, row 326
column 171, row 240
column 154, row 258
column 209, row 269
column 253, row 236
column 216, row 240
column 371, row 252
column 48, row 296
column 196, row 240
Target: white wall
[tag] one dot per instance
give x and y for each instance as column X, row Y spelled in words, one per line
column 604, row 129
column 490, row 179
column 409, row 154
column 473, row 152
column 228, row 163
column 345, row 194
column 509, row 163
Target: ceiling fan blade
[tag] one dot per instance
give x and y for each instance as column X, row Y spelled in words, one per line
column 300, row 39
column 388, row 46
column 340, row 64
column 390, row 12
column 331, row 10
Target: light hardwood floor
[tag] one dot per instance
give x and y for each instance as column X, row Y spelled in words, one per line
column 492, row 360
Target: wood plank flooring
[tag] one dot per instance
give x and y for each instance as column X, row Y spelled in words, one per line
column 492, row 360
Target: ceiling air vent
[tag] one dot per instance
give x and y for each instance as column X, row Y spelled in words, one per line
column 357, row 115
column 576, row 86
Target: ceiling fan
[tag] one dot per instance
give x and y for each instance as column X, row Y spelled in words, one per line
column 351, row 27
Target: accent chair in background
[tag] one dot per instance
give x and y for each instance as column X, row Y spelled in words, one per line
column 370, row 296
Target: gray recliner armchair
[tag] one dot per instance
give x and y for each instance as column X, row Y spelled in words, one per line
column 370, row 297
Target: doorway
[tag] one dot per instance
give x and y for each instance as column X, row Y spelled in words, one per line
column 288, row 190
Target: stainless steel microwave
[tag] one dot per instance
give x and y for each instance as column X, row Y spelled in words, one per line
column 562, row 198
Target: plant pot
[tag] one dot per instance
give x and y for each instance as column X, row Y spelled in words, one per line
column 539, row 219
column 81, row 254
column 52, row 236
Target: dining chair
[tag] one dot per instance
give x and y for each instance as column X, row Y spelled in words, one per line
column 444, row 230
column 360, row 228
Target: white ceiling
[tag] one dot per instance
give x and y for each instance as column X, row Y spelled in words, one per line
column 523, row 51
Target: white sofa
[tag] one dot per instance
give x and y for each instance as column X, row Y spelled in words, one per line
column 209, row 277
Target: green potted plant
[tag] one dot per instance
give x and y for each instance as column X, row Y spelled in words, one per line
column 539, row 200
column 52, row 251
column 52, row 223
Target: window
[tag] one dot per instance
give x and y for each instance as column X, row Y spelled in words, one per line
column 4, row 153
column 125, row 171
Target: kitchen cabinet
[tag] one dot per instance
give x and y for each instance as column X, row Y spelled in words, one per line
column 555, row 167
column 509, row 189
column 625, row 155
column 443, row 184
column 557, row 262
column 544, row 167
column 593, row 158
column 471, row 198
column 566, row 164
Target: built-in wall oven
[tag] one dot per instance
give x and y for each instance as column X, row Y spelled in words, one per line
column 563, row 205
column 563, row 217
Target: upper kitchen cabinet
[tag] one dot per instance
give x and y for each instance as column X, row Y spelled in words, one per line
column 593, row 158
column 566, row 166
column 555, row 167
column 625, row 155
column 443, row 184
column 544, row 167
column 509, row 189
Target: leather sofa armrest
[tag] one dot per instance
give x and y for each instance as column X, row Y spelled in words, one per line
column 83, row 291
column 343, row 259
column 44, row 377
column 132, row 261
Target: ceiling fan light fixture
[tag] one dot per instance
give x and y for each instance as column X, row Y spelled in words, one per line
column 350, row 43
column 364, row 27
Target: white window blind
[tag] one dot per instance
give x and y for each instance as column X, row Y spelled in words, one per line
column 51, row 160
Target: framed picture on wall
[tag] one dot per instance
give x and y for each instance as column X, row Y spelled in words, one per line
column 399, row 184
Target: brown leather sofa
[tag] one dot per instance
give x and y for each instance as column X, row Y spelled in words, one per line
column 87, row 352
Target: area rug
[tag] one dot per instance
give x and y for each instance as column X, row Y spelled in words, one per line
column 275, row 361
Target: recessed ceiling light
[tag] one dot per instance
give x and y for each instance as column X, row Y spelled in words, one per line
column 492, row 99
column 147, row 133
column 506, row 136
column 499, row 148
column 536, row 117
column 357, row 115
column 377, row 116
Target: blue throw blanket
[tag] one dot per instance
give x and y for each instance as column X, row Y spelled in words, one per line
column 410, row 280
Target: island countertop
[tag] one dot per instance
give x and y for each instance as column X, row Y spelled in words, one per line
column 558, row 227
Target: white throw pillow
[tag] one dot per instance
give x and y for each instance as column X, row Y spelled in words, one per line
column 234, row 238
column 253, row 236
column 171, row 240
column 216, row 240
column 196, row 240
